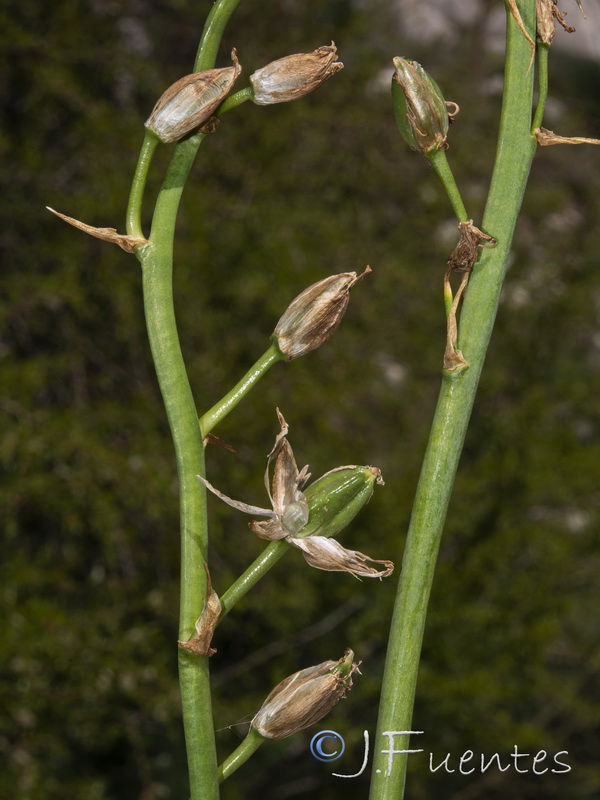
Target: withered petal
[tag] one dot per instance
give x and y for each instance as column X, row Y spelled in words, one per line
column 270, row 529
column 328, row 554
column 247, row 509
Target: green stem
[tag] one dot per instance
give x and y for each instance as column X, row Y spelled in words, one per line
column 157, row 263
column 267, row 559
column 213, row 32
column 239, row 756
column 516, row 147
column 543, row 51
column 136, row 194
column 448, row 297
column 440, row 164
column 221, row 409
column 235, row 100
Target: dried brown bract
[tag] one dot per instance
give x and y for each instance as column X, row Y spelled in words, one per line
column 548, row 14
column 516, row 15
column 546, row 138
column 462, row 260
column 210, row 438
column 128, row 243
column 206, row 623
column 466, row 251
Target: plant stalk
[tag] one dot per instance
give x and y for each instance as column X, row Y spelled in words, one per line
column 221, row 409
column 136, row 194
column 259, row 567
column 241, row 754
column 439, row 162
column 516, row 148
column 543, row 51
column 157, row 265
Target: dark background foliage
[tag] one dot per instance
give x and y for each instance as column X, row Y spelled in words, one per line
column 281, row 197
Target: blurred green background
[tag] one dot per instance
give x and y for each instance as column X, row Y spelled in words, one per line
column 281, row 197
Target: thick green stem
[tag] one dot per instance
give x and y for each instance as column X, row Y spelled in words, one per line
column 221, row 409
column 439, row 162
column 516, row 148
column 157, row 263
column 212, row 33
column 241, row 754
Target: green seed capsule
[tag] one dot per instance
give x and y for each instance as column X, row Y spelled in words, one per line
column 419, row 107
column 337, row 497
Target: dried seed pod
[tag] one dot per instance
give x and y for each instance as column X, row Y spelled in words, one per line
column 419, row 107
column 190, row 102
column 312, row 317
column 304, row 698
column 294, row 76
column 324, row 508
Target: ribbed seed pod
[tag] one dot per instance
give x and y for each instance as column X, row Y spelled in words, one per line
column 419, row 107
column 190, row 101
column 337, row 497
column 313, row 317
column 294, row 76
column 304, row 698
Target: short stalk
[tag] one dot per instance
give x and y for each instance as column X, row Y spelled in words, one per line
column 543, row 51
column 448, row 295
column 267, row 559
column 516, row 147
column 136, row 194
column 221, row 409
column 235, row 100
column 439, row 162
column 240, row 755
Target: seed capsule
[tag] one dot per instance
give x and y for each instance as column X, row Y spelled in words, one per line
column 294, row 76
column 313, row 317
column 304, row 698
column 190, row 101
column 337, row 497
column 419, row 107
